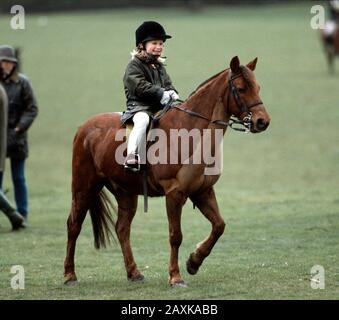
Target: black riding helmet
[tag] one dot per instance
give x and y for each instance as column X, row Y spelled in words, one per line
column 150, row 30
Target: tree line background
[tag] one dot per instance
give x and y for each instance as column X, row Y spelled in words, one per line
column 63, row 5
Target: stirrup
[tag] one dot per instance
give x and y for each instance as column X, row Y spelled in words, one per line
column 132, row 162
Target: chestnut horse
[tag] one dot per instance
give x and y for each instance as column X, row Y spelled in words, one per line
column 233, row 91
column 331, row 47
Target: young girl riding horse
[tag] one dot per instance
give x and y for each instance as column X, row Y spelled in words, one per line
column 148, row 87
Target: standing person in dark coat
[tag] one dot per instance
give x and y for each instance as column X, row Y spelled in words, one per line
column 148, row 87
column 3, row 125
column 14, row 217
column 22, row 110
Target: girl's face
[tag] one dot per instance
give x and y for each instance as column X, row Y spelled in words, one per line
column 154, row 47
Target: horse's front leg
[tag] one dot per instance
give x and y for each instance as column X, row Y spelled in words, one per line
column 207, row 204
column 174, row 202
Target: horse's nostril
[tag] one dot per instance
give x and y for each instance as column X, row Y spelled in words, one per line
column 262, row 124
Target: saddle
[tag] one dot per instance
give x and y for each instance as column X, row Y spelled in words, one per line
column 154, row 121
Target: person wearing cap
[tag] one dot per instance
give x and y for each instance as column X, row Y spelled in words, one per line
column 22, row 110
column 3, row 125
column 148, row 87
column 14, row 217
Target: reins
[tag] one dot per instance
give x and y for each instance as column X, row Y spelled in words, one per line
column 198, row 115
column 246, row 121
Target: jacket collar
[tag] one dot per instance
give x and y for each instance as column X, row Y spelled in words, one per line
column 147, row 58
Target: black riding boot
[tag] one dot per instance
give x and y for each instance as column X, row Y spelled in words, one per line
column 16, row 219
column 132, row 162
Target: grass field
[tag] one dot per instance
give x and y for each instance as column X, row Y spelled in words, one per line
column 279, row 190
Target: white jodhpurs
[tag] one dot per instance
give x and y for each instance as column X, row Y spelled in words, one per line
column 137, row 137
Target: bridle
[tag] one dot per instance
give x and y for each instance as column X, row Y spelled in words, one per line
column 246, row 122
column 240, row 103
column 243, row 107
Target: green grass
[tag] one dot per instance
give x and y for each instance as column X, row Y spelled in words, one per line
column 278, row 192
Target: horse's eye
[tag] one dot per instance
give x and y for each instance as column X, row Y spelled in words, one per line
column 241, row 90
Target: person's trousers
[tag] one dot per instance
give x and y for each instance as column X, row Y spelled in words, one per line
column 20, row 187
column 138, row 134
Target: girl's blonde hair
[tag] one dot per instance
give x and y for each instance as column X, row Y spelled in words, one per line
column 140, row 52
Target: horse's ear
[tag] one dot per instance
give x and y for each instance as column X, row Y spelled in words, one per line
column 235, row 63
column 252, row 64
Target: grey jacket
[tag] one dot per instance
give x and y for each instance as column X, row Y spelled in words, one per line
column 22, row 110
column 144, row 84
column 3, row 127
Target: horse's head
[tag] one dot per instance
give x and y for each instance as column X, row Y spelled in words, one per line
column 242, row 97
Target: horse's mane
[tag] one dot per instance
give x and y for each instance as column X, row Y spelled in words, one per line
column 205, row 82
column 243, row 70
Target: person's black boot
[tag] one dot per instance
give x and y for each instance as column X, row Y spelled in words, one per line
column 16, row 219
column 132, row 162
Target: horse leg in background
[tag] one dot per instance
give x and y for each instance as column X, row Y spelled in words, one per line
column 127, row 206
column 330, row 55
column 207, row 204
column 174, row 203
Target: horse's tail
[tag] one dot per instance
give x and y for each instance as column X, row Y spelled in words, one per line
column 102, row 220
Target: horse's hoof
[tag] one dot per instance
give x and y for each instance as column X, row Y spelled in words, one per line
column 71, row 283
column 138, row 278
column 191, row 267
column 180, row 284
column 71, row 280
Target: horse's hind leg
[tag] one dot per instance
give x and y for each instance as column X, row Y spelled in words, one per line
column 85, row 184
column 207, row 204
column 80, row 206
column 127, row 206
column 174, row 203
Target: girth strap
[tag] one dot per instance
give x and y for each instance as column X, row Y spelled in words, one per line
column 144, row 187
